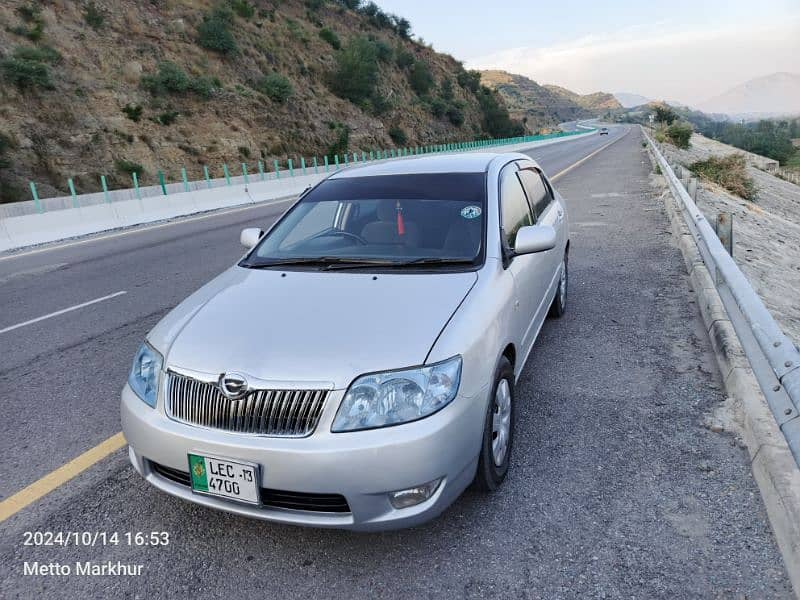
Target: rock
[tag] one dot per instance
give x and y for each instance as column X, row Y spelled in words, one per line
column 132, row 71
column 177, row 26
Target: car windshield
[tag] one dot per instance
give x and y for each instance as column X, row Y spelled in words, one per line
column 389, row 220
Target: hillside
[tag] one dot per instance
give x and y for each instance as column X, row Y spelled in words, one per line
column 630, row 100
column 100, row 87
column 544, row 106
column 772, row 95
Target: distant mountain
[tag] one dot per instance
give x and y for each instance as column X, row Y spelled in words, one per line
column 629, row 100
column 545, row 106
column 771, row 95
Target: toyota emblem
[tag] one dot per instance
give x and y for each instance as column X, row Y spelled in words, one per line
column 233, row 385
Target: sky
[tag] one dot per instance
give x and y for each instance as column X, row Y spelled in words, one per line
column 681, row 50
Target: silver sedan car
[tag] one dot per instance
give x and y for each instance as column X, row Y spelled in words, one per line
column 356, row 368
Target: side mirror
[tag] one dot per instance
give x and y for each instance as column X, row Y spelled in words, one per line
column 535, row 238
column 250, row 236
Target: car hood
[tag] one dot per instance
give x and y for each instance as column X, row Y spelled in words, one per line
column 309, row 326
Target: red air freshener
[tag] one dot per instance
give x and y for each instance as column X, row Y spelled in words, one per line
column 401, row 228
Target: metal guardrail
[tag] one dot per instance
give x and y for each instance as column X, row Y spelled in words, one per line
column 774, row 358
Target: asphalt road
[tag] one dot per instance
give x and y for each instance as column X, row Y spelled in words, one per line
column 616, row 487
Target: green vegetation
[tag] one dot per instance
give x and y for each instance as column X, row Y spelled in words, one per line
column 133, row 112
column 342, row 140
column 243, row 8
column 129, row 167
column 496, row 120
column 469, row 80
column 730, row 172
column 665, row 114
column 356, row 71
column 6, row 143
column 31, row 15
column 275, row 86
column 378, row 17
column 167, row 118
column 772, row 138
column 398, row 135
column 420, row 77
column 403, row 57
column 679, row 134
column 244, row 151
column 171, row 79
column 455, row 115
column 329, row 35
column 93, row 16
column 214, row 33
column 27, row 67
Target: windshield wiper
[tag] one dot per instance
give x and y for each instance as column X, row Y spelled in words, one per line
column 436, row 261
column 327, row 262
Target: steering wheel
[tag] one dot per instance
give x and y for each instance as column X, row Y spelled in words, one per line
column 342, row 233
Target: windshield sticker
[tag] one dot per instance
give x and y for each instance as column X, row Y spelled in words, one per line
column 471, row 212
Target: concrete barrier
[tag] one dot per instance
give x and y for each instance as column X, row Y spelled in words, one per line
column 95, row 215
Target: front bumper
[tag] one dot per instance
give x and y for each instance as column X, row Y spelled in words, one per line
column 362, row 466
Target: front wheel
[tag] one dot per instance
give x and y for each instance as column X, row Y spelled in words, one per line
column 498, row 431
column 559, row 305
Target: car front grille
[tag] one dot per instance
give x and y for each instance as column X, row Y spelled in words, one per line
column 285, row 413
column 335, row 503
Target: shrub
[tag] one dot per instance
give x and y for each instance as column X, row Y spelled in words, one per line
column 455, row 115
column 679, row 134
column 728, row 171
column 26, row 74
column 129, row 167
column 30, row 14
column 438, row 107
column 167, row 118
column 470, row 80
column 420, row 77
column 204, row 86
column 277, row 87
column 243, row 8
column 133, row 112
column 171, row 79
column 398, row 135
column 382, row 50
column 380, row 105
column 403, row 57
column 38, row 54
column 356, row 71
column 342, row 140
column 496, row 120
column 214, row 32
column 329, row 35
column 244, row 151
column 665, row 114
column 447, row 89
column 93, row 16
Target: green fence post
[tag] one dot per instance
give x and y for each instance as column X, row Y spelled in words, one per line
column 162, row 183
column 227, row 174
column 35, row 195
column 316, row 166
column 277, row 170
column 185, row 179
column 105, row 188
column 244, row 173
column 136, row 185
column 327, row 167
column 346, row 159
column 371, row 155
column 336, row 160
column 72, row 193
column 261, row 170
column 303, row 164
column 291, row 168
column 207, row 178
column 363, row 156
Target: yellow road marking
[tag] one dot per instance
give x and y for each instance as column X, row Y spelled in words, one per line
column 38, row 489
column 45, row 485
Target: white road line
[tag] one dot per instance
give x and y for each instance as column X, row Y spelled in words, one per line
column 62, row 311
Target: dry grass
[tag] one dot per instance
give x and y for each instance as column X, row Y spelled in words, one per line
column 728, row 171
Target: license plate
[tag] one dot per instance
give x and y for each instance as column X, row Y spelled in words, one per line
column 224, row 478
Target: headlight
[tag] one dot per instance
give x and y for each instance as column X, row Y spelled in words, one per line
column 383, row 399
column 144, row 374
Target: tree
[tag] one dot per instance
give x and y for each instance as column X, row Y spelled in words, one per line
column 665, row 114
column 356, row 71
column 420, row 77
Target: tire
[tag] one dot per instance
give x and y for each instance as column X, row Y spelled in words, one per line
column 559, row 305
column 492, row 463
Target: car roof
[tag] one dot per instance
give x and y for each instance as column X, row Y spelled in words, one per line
column 473, row 162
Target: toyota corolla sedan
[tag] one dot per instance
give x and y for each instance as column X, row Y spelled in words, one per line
column 356, row 368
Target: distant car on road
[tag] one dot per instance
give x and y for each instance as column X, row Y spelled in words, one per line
column 356, row 368
column 604, row 131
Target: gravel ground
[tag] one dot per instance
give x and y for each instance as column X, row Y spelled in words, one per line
column 616, row 489
column 766, row 232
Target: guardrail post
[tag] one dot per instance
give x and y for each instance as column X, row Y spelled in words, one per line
column 227, row 174
column 291, row 168
column 185, row 179
column 336, row 161
column 72, row 193
column 371, row 155
column 692, row 189
column 207, row 178
column 363, row 156
column 136, row 185
column 104, row 185
column 303, row 164
column 35, row 195
column 244, row 173
column 346, row 159
column 261, row 170
column 162, row 183
column 327, row 166
column 277, row 170
column 725, row 230
column 316, row 166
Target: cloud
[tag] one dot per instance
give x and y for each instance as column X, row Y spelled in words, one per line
column 688, row 66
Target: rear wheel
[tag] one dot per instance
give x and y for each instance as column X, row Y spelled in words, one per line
column 498, row 431
column 559, row 305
